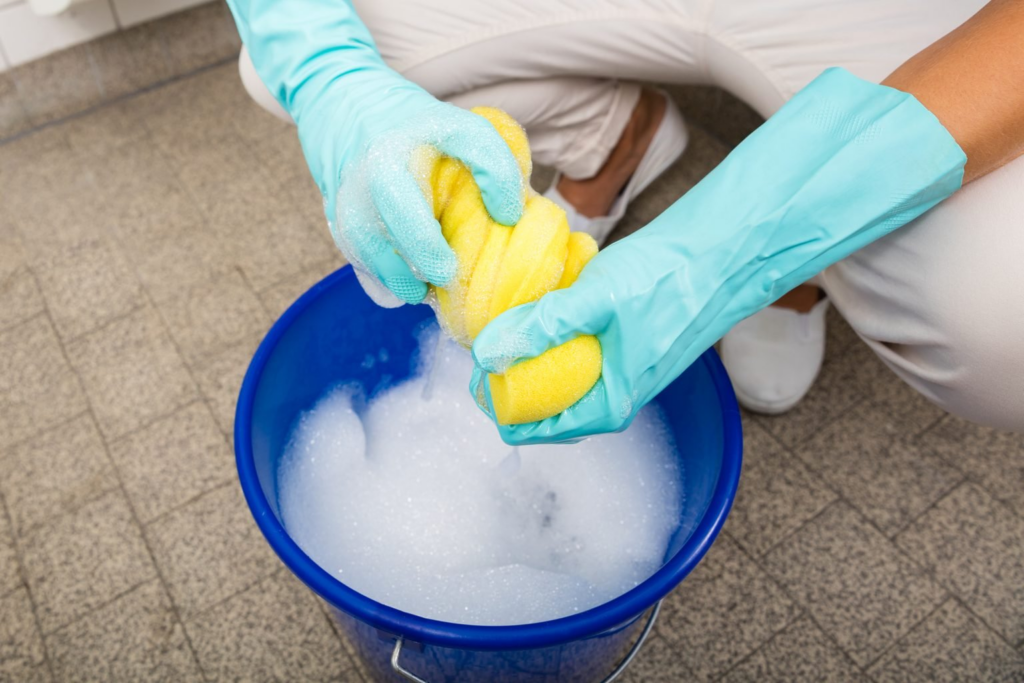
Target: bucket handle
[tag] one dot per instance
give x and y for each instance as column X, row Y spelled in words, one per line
column 409, row 676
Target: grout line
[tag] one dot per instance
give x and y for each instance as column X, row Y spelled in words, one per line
column 805, row 612
column 116, row 100
column 774, row 546
column 892, row 646
column 964, row 479
column 23, row 575
column 131, row 507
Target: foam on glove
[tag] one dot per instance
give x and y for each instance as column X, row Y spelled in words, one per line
column 500, row 267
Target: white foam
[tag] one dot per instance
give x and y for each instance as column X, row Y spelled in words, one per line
column 418, row 503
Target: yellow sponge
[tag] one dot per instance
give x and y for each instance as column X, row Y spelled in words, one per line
column 501, row 267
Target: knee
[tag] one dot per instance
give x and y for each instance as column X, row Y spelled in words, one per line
column 256, row 89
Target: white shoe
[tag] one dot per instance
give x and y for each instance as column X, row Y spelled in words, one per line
column 774, row 356
column 666, row 146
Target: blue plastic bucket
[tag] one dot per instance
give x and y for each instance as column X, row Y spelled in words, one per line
column 335, row 333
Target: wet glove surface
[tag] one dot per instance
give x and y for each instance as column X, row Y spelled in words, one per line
column 360, row 124
column 842, row 164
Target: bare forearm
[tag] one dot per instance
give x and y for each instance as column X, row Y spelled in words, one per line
column 973, row 81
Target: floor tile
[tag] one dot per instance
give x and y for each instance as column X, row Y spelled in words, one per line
column 129, row 60
column 13, row 117
column 61, row 84
column 905, row 406
column 19, row 296
column 21, row 647
column 83, row 560
column 832, row 395
column 272, row 631
column 104, row 130
column 972, row 544
column 10, row 574
column 838, row 333
column 777, row 494
column 173, row 460
column 723, row 611
column 277, row 298
column 276, row 247
column 855, row 584
column 86, row 286
column 658, row 662
column 37, row 387
column 55, row 473
column 220, row 380
column 199, row 37
column 990, row 457
column 868, row 457
column 134, row 638
column 950, row 645
column 131, row 372
column 211, row 316
column 722, row 114
column 800, row 653
column 210, row 549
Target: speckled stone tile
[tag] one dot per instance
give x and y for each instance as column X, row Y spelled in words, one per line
column 199, row 36
column 87, row 285
column 212, row 316
column 131, row 372
column 906, row 407
column 272, row 631
column 13, row 117
column 972, row 544
column 10, row 575
column 276, row 247
column 64, row 83
column 83, row 560
column 723, row 611
column 19, row 295
column 777, row 494
column 277, row 298
column 832, row 395
column 22, row 657
column 134, row 638
column 210, row 549
column 173, row 460
column 104, row 130
column 55, row 473
column 221, row 379
column 37, row 387
column 950, row 645
column 867, row 456
column 658, row 662
column 839, row 336
column 129, row 60
column 858, row 587
column 801, row 653
column 721, row 114
column 995, row 459
column 34, row 155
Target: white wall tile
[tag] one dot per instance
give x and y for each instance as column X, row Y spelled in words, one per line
column 4, row 3
column 26, row 36
column 131, row 12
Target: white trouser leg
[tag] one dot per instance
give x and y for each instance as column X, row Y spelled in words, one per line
column 938, row 300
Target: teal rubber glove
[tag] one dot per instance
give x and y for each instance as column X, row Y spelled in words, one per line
column 839, row 166
column 363, row 128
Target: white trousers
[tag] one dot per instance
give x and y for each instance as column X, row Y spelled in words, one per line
column 941, row 301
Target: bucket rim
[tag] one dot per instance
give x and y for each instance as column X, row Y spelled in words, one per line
column 592, row 622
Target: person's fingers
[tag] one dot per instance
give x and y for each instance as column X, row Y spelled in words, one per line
column 371, row 251
column 591, row 415
column 531, row 329
column 476, row 143
column 410, row 221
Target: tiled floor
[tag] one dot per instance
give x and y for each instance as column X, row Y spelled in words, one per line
column 144, row 249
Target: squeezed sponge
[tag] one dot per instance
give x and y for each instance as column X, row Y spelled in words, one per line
column 501, row 267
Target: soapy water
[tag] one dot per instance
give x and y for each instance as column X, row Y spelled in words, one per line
column 413, row 500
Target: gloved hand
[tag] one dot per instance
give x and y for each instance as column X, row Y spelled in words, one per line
column 842, row 164
column 363, row 130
